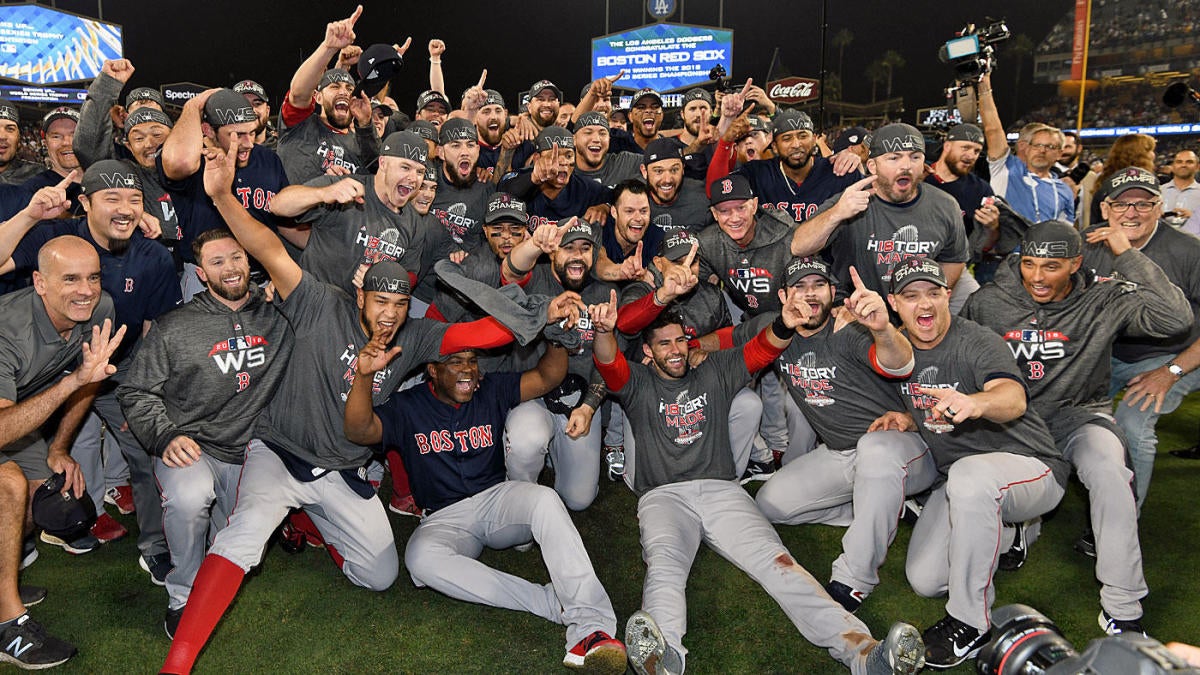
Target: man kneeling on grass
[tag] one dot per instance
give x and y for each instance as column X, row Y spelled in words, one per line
column 449, row 432
column 685, row 479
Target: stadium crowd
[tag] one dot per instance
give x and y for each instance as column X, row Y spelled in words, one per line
column 1124, row 23
column 273, row 301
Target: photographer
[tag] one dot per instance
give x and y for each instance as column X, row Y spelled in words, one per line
column 1025, row 180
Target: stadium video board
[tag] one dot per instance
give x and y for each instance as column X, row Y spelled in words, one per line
column 662, row 56
column 40, row 45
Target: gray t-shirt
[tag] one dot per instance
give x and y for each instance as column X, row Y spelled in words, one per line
column 461, row 210
column 929, row 226
column 832, row 381
column 595, row 292
column 305, row 417
column 618, row 166
column 968, row 358
column 311, row 147
column 689, row 211
column 33, row 356
column 682, row 426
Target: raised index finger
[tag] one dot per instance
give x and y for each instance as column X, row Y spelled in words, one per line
column 68, row 179
column 691, row 255
column 354, row 17
column 482, row 78
column 858, row 282
column 746, row 87
column 616, row 77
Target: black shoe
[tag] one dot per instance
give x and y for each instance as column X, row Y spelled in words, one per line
column 758, row 471
column 910, row 511
column 31, row 595
column 291, row 539
column 1016, row 555
column 24, row 643
column 29, row 552
column 1087, row 544
column 1113, row 626
column 1188, row 453
column 171, row 621
column 158, row 566
column 848, row 597
column 950, row 642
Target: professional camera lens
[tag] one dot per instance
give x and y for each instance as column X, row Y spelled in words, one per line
column 1024, row 642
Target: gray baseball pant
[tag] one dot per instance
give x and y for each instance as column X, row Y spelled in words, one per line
column 530, row 431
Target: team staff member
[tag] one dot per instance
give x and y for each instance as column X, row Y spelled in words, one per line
column 1060, row 325
column 990, row 461
column 193, row 393
column 58, row 134
column 684, row 481
column 449, row 433
column 43, row 334
column 319, row 110
column 303, row 459
column 1155, row 373
column 954, row 173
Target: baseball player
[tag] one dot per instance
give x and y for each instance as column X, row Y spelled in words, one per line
column 550, row 188
column 684, row 479
column 13, row 169
column 462, row 198
column 593, row 160
column 676, row 202
column 988, row 460
column 232, row 345
column 449, row 434
column 43, row 332
column 302, row 458
column 1060, row 325
column 58, row 134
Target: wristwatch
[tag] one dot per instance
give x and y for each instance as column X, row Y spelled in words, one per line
column 1175, row 369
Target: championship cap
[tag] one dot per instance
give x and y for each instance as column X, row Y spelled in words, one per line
column 850, row 137
column 661, row 149
column 424, row 129
column 144, row 94
column 380, row 105
column 791, row 120
column 1052, row 239
column 1128, row 179
column 405, row 144
column 9, row 112
column 458, row 129
column 494, row 98
column 898, row 137
column 591, row 118
column 697, row 94
column 61, row 515
column 334, row 76
column 376, row 66
column 758, row 124
column 553, row 136
column 143, row 115
column 917, row 269
column 432, row 96
column 431, row 173
column 965, row 132
column 108, row 174
column 644, row 93
column 252, row 88
column 59, row 113
column 798, row 268
column 580, row 230
column 387, row 276
column 542, row 85
column 226, row 106
column 505, row 208
column 676, row 245
column 729, row 188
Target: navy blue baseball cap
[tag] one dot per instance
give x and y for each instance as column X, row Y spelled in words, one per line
column 730, row 188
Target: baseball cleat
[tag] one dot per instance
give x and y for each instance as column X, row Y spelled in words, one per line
column 106, row 528
column 29, row 552
column 649, row 653
column 171, row 621
column 598, row 654
column 756, row 470
column 1016, row 555
column 1113, row 626
column 901, row 653
column 1086, row 544
column 614, row 459
column 847, row 596
column 31, row 595
column 121, row 497
column 949, row 642
column 405, row 505
column 158, row 566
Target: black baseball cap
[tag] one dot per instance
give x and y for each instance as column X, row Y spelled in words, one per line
column 850, row 137
column 551, row 136
column 591, row 118
column 1128, row 179
column 59, row 113
column 1051, row 239
column 580, row 230
column 643, row 93
column 676, row 245
column 108, row 174
column 458, row 129
column 253, row 89
column 376, row 104
column 791, row 120
column 405, row 144
column 494, row 98
column 376, row 66
column 697, row 94
column 144, row 115
column 730, row 188
column 917, row 269
column 965, row 132
column 9, row 112
column 505, row 208
column 798, row 268
column 432, row 96
column 661, row 149
column 62, row 515
column 424, row 129
column 387, row 276
column 897, row 137
column 542, row 85
column 144, row 94
column 431, row 173
column 226, row 106
column 334, row 75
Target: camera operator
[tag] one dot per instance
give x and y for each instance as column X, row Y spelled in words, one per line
column 1025, row 180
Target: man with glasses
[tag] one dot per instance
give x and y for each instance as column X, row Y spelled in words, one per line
column 1025, row 180
column 1155, row 373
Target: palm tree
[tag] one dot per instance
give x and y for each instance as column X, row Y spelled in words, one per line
column 841, row 40
column 891, row 60
column 876, row 73
column 1021, row 47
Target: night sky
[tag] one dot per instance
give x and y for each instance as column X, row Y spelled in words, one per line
column 218, row 42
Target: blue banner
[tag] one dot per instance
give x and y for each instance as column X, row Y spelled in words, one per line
column 663, row 57
column 39, row 45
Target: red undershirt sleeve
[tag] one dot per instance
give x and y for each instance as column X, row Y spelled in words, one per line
column 615, row 374
column 486, row 333
column 759, row 352
column 723, row 161
column 874, row 358
column 292, row 115
column 638, row 314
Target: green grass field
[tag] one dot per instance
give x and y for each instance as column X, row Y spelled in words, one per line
column 299, row 614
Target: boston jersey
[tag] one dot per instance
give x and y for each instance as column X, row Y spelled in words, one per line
column 799, row 201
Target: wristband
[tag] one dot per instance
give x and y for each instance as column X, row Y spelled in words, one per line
column 780, row 329
column 513, row 268
column 436, row 62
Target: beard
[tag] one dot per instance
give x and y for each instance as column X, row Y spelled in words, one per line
column 118, row 246
column 232, row 294
column 458, row 180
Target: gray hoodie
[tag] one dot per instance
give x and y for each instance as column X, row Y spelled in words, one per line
column 1063, row 347
column 206, row 371
column 751, row 276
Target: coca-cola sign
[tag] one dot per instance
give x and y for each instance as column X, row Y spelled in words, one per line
column 794, row 89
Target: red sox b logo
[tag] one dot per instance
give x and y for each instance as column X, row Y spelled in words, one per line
column 726, row 186
column 128, row 285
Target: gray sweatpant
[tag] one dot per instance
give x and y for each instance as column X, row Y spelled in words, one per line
column 146, row 497
column 442, row 554
column 197, row 501
column 673, row 519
